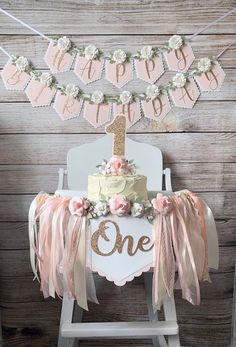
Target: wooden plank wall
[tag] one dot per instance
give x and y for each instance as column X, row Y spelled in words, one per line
column 34, row 143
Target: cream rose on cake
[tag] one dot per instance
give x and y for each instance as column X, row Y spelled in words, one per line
column 101, row 208
column 119, row 205
column 137, row 210
column 64, row 44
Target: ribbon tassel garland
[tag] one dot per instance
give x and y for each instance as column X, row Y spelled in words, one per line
column 61, row 254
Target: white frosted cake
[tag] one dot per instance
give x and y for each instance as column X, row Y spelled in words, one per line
column 117, row 177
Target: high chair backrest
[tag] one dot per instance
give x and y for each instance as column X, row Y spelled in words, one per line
column 82, row 161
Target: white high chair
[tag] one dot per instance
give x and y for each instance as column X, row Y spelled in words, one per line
column 81, row 161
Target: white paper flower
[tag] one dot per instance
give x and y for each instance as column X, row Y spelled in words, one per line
column 175, row 42
column 22, row 63
column 64, row 44
column 137, row 210
column 146, row 52
column 72, row 90
column 101, row 209
column 97, row 97
column 179, row 80
column 204, row 65
column 152, row 91
column 119, row 56
column 46, row 79
column 90, row 52
column 126, row 97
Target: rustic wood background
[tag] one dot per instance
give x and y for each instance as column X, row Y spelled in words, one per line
column 34, row 142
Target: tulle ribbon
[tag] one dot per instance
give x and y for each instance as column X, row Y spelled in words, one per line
column 58, row 249
column 180, row 243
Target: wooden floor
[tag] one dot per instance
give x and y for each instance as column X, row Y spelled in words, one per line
column 200, row 150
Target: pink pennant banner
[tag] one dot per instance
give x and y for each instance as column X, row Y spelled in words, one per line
column 156, row 109
column 58, row 60
column 132, row 111
column 180, row 59
column 88, row 70
column 67, row 107
column 149, row 70
column 211, row 80
column 119, row 74
column 39, row 94
column 97, row 114
column 14, row 78
column 185, row 96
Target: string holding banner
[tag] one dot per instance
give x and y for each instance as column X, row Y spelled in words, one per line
column 119, row 65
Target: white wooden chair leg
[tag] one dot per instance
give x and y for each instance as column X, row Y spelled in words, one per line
column 167, row 174
column 170, row 315
column 66, row 317
column 157, row 341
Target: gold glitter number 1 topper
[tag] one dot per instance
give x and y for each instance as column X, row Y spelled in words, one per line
column 118, row 127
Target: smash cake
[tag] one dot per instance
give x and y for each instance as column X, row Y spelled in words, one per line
column 117, row 176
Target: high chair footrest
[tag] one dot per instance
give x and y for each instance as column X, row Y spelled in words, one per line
column 119, row 329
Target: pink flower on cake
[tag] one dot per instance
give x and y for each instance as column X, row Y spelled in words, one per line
column 79, row 206
column 162, row 204
column 119, row 205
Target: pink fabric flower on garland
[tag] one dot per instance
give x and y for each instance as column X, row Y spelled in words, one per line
column 162, row 204
column 119, row 205
column 78, row 206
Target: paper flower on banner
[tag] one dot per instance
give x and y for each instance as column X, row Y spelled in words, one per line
column 175, row 42
column 46, row 79
column 64, row 44
column 91, row 52
column 146, row 52
column 41, row 89
column 72, row 90
column 204, row 65
column 21, row 63
column 125, row 97
column 179, row 80
column 119, row 205
column 152, row 92
column 118, row 57
column 97, row 97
